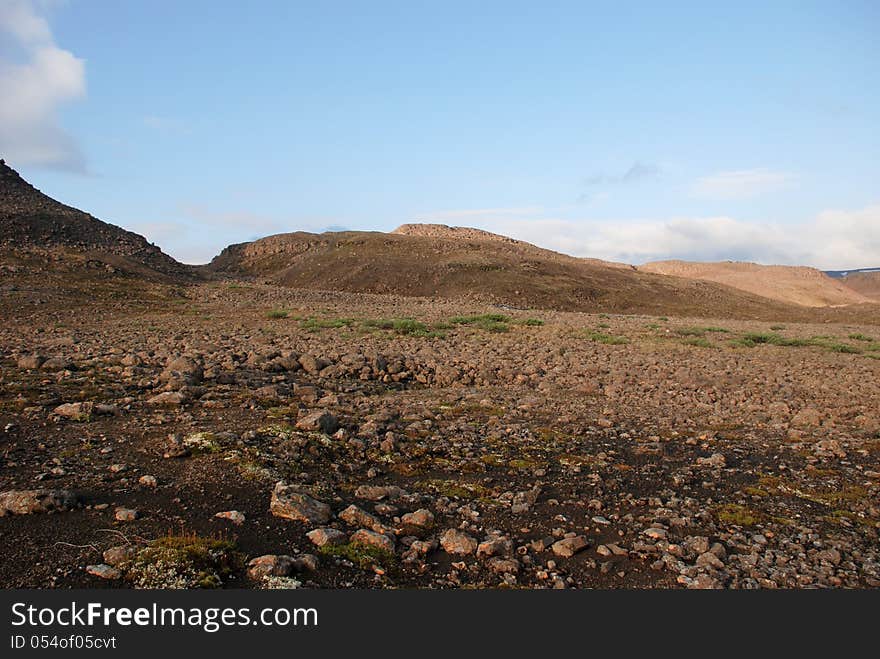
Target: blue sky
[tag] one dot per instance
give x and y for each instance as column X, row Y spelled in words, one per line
column 627, row 131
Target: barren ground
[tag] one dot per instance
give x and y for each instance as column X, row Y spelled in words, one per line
column 657, row 452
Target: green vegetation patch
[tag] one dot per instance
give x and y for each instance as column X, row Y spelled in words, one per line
column 700, row 331
column 183, row 561
column 313, row 324
column 404, row 327
column 732, row 513
column 607, row 339
column 490, row 322
column 362, row 555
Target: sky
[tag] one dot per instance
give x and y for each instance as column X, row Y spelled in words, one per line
column 628, row 131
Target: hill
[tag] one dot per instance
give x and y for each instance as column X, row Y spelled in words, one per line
column 34, row 224
column 453, row 263
column 863, row 282
column 789, row 284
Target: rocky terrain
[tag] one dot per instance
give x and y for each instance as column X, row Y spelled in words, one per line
column 793, row 285
column 232, row 427
column 257, row 436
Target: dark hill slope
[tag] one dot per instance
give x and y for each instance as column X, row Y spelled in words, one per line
column 33, row 223
column 467, row 264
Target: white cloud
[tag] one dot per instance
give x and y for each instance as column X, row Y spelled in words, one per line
column 741, row 184
column 835, row 239
column 34, row 89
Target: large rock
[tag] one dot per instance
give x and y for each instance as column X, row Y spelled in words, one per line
column 168, row 399
column 422, row 518
column 568, row 547
column 27, row 502
column 454, row 541
column 318, row 421
column 288, row 503
column 312, row 364
column 372, row 539
column 809, row 417
column 75, row 411
column 499, row 546
column 30, row 362
column 181, row 371
column 327, row 536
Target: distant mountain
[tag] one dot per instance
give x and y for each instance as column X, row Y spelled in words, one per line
column 31, row 222
column 791, row 284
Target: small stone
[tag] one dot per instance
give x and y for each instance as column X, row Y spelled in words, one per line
column 716, row 460
column 379, row 492
column 168, row 399
column 503, row 565
column 358, row 517
column 126, row 514
column 709, row 560
column 270, row 565
column 148, row 481
column 119, row 554
column 234, row 516
column 655, row 534
column 104, row 571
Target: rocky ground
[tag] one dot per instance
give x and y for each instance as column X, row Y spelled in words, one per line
column 244, row 435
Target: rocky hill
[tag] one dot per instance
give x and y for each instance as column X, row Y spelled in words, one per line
column 453, row 263
column 34, row 224
column 864, row 282
column 790, row 284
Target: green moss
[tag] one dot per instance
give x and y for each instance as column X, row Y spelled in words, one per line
column 731, row 513
column 185, row 560
column 364, row 556
column 277, row 314
column 454, row 489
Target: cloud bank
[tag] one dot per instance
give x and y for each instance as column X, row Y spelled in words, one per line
column 740, row 184
column 34, row 88
column 835, row 239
